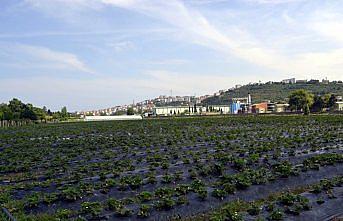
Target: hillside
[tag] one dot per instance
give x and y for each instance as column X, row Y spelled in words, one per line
column 276, row 92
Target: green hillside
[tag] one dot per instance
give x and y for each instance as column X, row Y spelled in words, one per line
column 276, row 92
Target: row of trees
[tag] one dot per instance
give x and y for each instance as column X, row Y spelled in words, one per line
column 17, row 110
column 302, row 100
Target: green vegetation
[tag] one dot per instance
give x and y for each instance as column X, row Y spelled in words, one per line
column 17, row 110
column 301, row 100
column 157, row 168
column 276, row 92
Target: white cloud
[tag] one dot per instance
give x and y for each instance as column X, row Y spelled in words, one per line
column 199, row 30
column 122, row 46
column 168, row 62
column 293, row 29
column 41, row 57
column 322, row 64
column 328, row 23
column 274, row 2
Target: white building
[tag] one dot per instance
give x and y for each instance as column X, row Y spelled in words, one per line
column 288, row 81
column 171, row 110
column 178, row 110
column 108, row 118
column 339, row 105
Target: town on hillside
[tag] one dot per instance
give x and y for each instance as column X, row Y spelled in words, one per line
column 191, row 105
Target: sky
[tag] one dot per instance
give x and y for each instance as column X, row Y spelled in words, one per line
column 92, row 54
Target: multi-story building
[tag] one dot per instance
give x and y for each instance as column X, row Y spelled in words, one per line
column 288, row 81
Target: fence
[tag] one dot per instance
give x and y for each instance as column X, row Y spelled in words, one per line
column 15, row 123
column 19, row 123
column 6, row 215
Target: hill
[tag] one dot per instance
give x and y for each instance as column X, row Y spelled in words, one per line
column 275, row 92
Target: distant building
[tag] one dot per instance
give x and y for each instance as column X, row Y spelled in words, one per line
column 325, row 81
column 279, row 108
column 264, row 107
column 241, row 104
column 235, row 108
column 301, row 81
column 192, row 110
column 225, row 109
column 109, row 118
column 288, row 81
column 259, row 108
column 339, row 105
column 313, row 81
column 271, row 107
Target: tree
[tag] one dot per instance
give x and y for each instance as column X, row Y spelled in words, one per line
column 332, row 101
column 40, row 113
column 28, row 112
column 318, row 104
column 300, row 100
column 64, row 112
column 17, row 108
column 307, row 109
column 5, row 112
column 130, row 111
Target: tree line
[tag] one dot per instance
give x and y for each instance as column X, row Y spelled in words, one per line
column 303, row 100
column 17, row 110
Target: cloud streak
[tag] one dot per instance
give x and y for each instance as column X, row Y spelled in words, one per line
column 199, row 30
column 27, row 56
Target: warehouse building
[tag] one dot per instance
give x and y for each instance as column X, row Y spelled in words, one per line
column 109, row 118
column 339, row 105
column 191, row 110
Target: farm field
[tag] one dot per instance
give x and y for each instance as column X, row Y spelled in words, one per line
column 201, row 168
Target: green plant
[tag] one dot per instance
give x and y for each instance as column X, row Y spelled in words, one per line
column 144, row 211
column 254, row 209
column 92, row 208
column 276, row 215
column 64, row 214
column 165, row 203
column 218, row 193
column 71, row 193
column 145, row 196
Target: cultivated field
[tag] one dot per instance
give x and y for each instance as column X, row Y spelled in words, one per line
column 218, row 168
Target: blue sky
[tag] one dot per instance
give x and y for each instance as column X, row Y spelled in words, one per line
column 90, row 54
